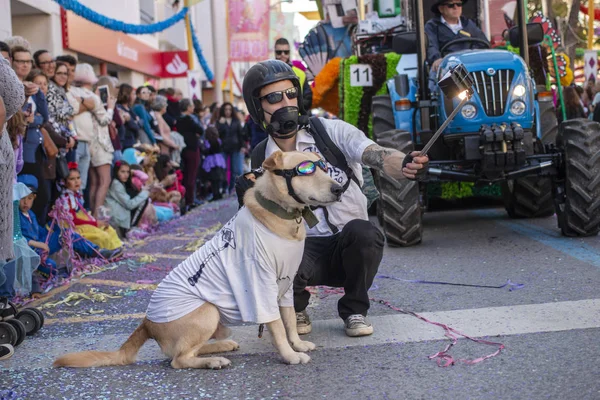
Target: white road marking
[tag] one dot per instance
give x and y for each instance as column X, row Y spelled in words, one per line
column 328, row 334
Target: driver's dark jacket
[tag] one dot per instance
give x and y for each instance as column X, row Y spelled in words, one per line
column 439, row 34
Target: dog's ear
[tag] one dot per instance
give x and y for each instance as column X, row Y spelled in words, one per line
column 275, row 161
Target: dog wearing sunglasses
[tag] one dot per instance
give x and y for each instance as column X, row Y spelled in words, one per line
column 244, row 273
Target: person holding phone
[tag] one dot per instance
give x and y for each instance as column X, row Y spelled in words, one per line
column 92, row 128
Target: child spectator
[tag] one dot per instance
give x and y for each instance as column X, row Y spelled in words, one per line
column 46, row 241
column 164, row 211
column 170, row 179
column 96, row 231
column 129, row 206
column 19, row 271
column 214, row 164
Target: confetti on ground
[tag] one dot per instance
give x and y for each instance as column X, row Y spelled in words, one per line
column 93, row 295
column 196, row 244
column 147, row 259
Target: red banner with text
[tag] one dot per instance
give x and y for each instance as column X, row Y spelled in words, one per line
column 249, row 30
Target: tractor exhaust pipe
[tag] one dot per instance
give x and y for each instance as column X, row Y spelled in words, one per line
column 522, row 21
column 422, row 50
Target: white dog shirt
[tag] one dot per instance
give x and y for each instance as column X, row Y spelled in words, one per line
column 245, row 270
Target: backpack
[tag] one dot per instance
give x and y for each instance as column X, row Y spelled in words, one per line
column 332, row 154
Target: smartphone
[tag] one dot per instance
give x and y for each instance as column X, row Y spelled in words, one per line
column 103, row 91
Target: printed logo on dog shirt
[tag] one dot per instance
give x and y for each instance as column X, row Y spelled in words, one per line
column 228, row 239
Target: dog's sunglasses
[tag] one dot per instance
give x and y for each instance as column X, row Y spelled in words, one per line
column 305, row 168
column 276, row 97
column 453, row 5
column 280, row 52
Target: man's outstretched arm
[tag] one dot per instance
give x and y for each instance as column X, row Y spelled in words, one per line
column 390, row 162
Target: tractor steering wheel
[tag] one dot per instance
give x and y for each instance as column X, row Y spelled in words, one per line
column 471, row 40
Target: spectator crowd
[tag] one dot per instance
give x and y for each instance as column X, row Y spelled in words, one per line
column 97, row 161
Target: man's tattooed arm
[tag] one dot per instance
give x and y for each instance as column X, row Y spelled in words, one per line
column 384, row 159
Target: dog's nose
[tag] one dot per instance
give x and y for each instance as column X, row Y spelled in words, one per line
column 337, row 189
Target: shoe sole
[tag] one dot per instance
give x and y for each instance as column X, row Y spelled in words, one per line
column 356, row 332
column 304, row 330
column 10, row 354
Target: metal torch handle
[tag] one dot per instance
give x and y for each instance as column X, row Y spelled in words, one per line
column 444, row 126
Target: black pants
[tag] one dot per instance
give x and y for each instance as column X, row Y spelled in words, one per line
column 349, row 259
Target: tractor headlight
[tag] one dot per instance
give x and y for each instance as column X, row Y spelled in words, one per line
column 517, row 107
column 468, row 111
column 519, row 91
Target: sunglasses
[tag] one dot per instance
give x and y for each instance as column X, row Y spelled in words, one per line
column 276, row 97
column 305, row 168
column 280, row 52
column 453, row 5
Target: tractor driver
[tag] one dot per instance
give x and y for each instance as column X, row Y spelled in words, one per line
column 448, row 25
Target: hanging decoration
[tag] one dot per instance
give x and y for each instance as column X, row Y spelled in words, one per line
column 116, row 25
column 207, row 71
column 120, row 26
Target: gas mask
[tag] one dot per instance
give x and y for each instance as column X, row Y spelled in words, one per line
column 284, row 122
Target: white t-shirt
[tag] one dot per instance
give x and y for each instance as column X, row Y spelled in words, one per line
column 352, row 142
column 245, row 270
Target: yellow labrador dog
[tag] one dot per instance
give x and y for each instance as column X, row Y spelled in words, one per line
column 244, row 273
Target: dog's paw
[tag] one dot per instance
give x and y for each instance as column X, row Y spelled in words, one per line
column 218, row 363
column 230, row 345
column 296, row 358
column 303, row 346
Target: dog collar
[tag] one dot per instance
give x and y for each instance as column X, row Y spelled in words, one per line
column 282, row 213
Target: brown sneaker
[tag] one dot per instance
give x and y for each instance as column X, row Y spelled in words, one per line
column 303, row 324
column 357, row 325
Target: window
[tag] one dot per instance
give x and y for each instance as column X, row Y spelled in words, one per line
column 147, row 11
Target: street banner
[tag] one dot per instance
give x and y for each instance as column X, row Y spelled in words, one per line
column 590, row 65
column 249, row 30
column 194, row 80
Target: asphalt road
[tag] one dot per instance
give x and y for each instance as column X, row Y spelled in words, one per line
column 549, row 326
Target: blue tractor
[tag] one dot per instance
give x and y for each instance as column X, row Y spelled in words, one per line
column 506, row 133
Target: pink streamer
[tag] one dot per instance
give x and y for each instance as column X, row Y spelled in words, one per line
column 443, row 358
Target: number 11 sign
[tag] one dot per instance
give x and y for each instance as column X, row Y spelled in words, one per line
column 361, row 75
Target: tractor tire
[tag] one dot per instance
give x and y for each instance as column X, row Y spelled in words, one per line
column 383, row 121
column 578, row 200
column 549, row 122
column 532, row 197
column 528, row 198
column 383, row 115
column 399, row 207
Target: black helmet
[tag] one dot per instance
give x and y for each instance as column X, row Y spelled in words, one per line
column 262, row 74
